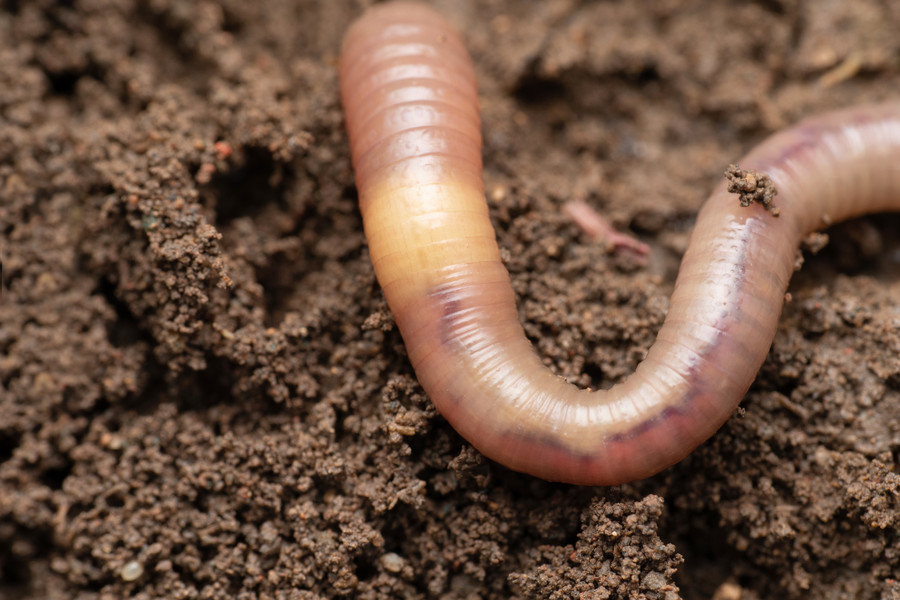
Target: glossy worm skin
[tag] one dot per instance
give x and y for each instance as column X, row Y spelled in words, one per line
column 410, row 98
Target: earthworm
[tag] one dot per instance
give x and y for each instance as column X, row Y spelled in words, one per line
column 410, row 98
column 590, row 221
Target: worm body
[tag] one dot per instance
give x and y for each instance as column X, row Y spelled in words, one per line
column 410, row 98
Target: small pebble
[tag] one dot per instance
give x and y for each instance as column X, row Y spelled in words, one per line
column 132, row 570
column 392, row 562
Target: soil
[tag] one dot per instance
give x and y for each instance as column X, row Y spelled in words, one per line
column 202, row 393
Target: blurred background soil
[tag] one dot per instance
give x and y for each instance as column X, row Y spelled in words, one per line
column 202, row 393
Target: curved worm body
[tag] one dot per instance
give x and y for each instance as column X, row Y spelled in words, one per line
column 410, row 98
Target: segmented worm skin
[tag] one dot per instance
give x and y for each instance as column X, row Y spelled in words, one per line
column 410, row 98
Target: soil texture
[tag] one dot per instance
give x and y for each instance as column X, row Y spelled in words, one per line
column 202, row 392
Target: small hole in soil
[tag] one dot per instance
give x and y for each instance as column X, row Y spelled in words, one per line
column 535, row 90
column 115, row 500
column 125, row 330
column 54, row 477
column 14, row 572
column 365, row 568
column 8, row 444
column 63, row 84
column 245, row 190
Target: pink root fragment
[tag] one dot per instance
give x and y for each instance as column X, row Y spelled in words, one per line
column 590, row 221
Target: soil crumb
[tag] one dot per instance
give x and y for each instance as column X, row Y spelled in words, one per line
column 752, row 186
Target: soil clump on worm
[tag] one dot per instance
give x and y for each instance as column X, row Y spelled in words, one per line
column 752, row 186
column 203, row 394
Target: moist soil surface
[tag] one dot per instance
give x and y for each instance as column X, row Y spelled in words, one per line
column 202, row 391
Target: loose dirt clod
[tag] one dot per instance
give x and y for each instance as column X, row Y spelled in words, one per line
column 752, row 186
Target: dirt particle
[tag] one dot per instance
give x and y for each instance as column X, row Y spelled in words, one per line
column 392, row 562
column 752, row 186
column 132, row 571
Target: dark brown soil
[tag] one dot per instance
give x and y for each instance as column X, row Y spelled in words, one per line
column 202, row 394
